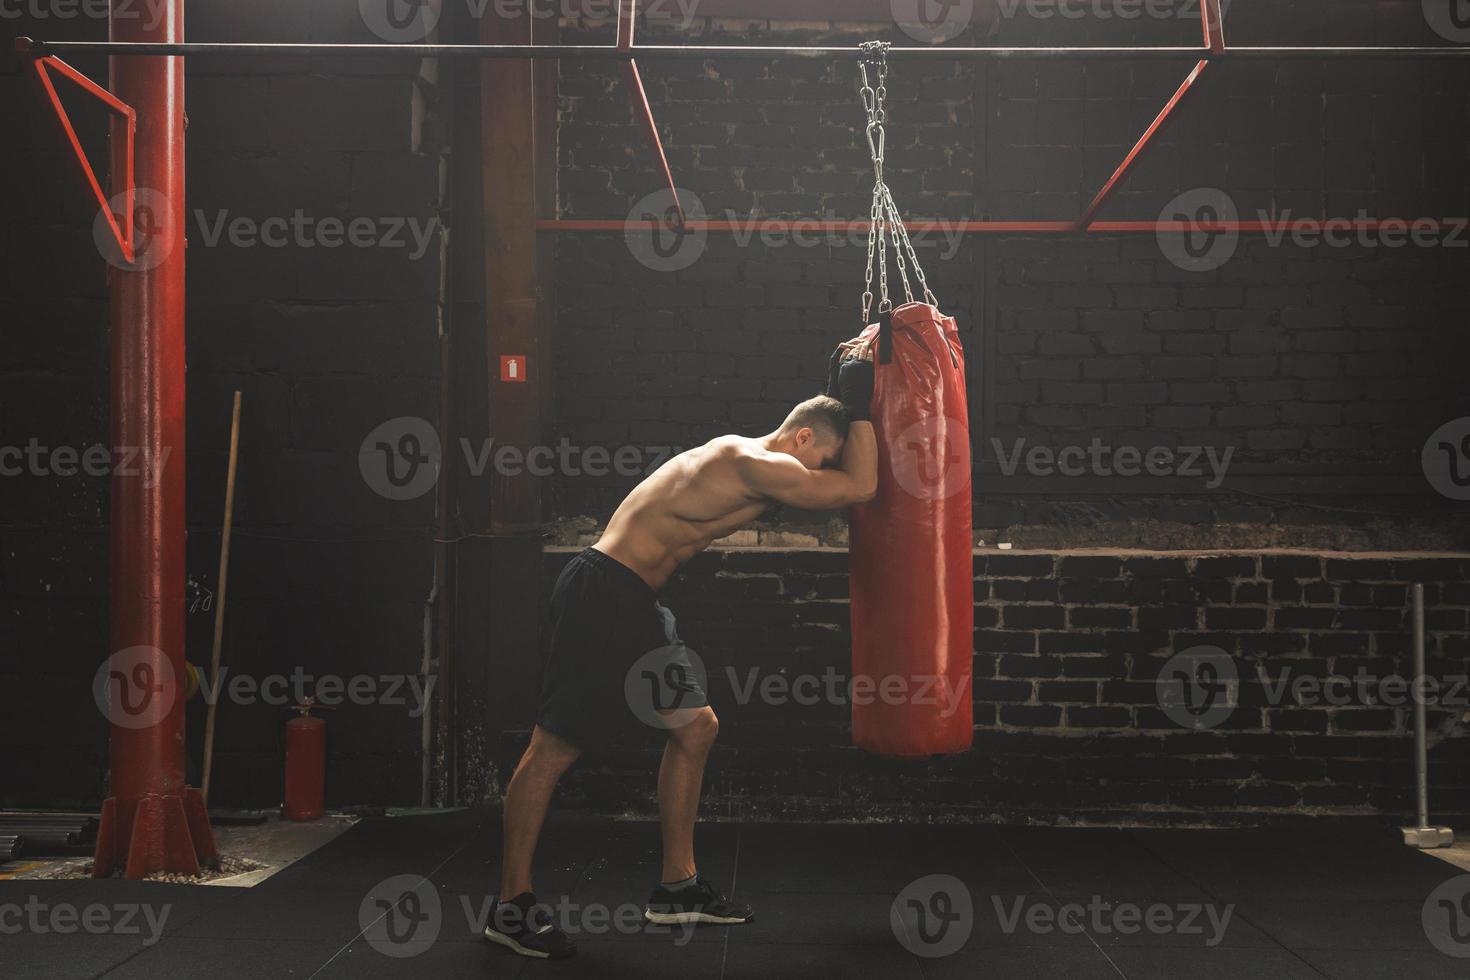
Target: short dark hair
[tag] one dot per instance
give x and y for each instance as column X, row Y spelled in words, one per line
column 822, row 414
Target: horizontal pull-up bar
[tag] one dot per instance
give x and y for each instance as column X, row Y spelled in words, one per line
column 39, row 49
column 755, row 227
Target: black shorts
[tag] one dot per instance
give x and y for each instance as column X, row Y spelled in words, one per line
column 612, row 659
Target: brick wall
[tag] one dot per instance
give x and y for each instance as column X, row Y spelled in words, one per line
column 1323, row 370
column 1320, row 370
column 1069, row 722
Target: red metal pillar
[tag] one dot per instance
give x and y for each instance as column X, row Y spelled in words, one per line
column 151, row 821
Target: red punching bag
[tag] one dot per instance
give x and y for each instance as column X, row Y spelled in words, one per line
column 913, row 613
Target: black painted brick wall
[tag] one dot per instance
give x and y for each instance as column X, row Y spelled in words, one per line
column 1068, row 723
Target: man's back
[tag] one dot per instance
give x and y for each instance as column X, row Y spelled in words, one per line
column 815, row 461
column 693, row 499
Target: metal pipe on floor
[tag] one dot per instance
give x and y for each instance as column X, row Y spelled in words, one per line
column 8, row 817
column 43, row 834
column 32, row 846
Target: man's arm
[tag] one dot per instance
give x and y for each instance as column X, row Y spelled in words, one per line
column 783, row 478
column 860, row 459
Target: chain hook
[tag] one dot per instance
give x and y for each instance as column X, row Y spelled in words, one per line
column 883, row 217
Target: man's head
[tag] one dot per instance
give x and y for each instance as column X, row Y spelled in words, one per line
column 814, row 432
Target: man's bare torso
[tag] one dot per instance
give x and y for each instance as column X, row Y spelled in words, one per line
column 692, row 500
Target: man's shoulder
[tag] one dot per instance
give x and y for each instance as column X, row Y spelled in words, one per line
column 743, row 458
column 743, row 450
column 733, row 447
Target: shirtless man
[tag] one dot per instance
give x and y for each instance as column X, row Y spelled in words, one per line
column 605, row 616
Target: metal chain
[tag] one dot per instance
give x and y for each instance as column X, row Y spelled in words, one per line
column 903, row 233
column 883, row 217
column 884, row 303
column 875, row 59
column 900, row 238
column 868, row 97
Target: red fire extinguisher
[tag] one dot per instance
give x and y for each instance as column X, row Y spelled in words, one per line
column 306, row 765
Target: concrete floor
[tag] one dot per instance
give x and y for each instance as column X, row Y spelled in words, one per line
column 401, row 897
column 270, row 847
column 1457, row 853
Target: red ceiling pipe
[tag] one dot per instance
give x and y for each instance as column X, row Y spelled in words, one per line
column 151, row 821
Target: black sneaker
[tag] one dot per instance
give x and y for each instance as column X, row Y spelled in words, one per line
column 700, row 902
column 527, row 929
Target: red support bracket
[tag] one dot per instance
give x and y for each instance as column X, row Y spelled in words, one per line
column 123, row 233
column 1131, row 160
column 627, row 15
column 1212, row 20
column 1212, row 23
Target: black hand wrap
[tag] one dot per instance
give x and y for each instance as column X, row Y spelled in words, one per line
column 855, row 384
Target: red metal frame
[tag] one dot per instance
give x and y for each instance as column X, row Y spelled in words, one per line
column 1213, row 23
column 627, row 18
column 1212, row 29
column 152, row 821
column 124, row 234
column 1126, row 167
column 1212, row 26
